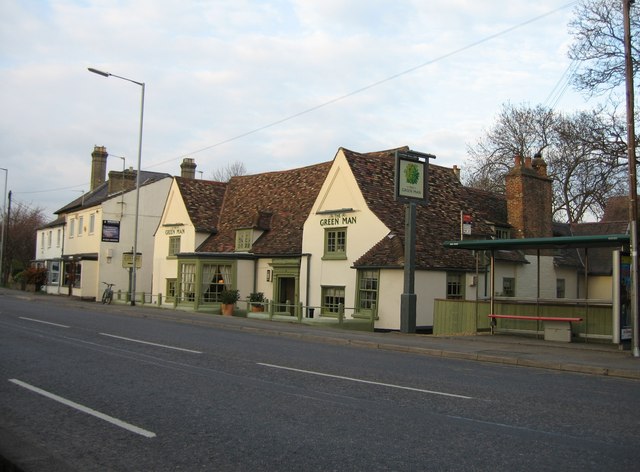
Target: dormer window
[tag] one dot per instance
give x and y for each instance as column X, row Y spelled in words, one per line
column 502, row 232
column 244, row 240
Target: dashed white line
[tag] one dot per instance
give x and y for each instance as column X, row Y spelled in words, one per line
column 84, row 409
column 352, row 379
column 150, row 344
column 43, row 322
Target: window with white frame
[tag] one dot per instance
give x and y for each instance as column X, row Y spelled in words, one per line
column 49, row 237
column 80, row 223
column 58, row 237
column 92, row 223
column 53, row 272
column 72, row 227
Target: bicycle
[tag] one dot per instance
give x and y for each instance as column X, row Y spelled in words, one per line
column 107, row 295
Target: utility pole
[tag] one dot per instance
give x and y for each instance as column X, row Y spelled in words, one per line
column 633, row 190
column 7, row 267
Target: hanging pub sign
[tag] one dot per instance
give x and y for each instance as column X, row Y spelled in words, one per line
column 412, row 177
column 110, row 231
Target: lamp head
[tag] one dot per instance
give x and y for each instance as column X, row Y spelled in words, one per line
column 99, row 72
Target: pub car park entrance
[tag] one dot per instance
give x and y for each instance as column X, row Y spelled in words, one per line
column 556, row 319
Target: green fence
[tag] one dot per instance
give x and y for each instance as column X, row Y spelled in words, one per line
column 454, row 317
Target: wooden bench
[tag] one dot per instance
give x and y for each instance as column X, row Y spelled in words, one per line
column 556, row 328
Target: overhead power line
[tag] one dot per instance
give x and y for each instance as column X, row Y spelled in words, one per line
column 370, row 86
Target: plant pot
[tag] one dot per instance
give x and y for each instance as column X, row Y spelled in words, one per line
column 257, row 308
column 227, row 309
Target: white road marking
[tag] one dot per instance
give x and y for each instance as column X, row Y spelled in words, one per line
column 367, row 381
column 84, row 409
column 150, row 344
column 44, row 322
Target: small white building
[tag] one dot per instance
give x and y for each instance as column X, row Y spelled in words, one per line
column 49, row 246
column 99, row 231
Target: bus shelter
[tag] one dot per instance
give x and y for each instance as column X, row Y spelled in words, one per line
column 619, row 243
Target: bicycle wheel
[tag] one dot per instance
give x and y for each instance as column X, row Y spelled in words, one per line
column 107, row 296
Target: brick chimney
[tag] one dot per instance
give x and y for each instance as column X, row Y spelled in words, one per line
column 121, row 180
column 188, row 167
column 529, row 196
column 98, row 166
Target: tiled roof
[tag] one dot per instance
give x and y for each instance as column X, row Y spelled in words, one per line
column 59, row 221
column 101, row 193
column 203, row 200
column 436, row 222
column 617, row 209
column 600, row 260
column 276, row 202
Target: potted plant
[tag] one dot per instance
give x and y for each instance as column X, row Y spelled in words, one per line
column 257, row 301
column 228, row 299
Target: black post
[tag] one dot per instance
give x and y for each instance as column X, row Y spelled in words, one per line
column 408, row 299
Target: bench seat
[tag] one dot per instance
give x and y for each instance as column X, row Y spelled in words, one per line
column 556, row 328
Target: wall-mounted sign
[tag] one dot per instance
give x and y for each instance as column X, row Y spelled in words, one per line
column 339, row 219
column 127, row 260
column 110, row 231
column 412, row 176
column 467, row 222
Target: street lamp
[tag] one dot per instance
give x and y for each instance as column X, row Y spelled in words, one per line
column 135, row 231
column 2, row 235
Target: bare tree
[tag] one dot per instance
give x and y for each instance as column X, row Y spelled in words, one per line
column 20, row 246
column 517, row 130
column 598, row 44
column 585, row 155
column 224, row 174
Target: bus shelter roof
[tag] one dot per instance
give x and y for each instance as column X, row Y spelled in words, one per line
column 560, row 242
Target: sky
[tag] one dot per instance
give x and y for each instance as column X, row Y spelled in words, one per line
column 272, row 84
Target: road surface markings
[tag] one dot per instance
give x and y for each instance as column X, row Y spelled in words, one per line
column 84, row 409
column 352, row 379
column 150, row 344
column 43, row 322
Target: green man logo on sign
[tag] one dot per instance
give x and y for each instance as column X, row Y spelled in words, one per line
column 412, row 173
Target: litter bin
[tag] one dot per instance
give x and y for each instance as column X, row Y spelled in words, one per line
column 310, row 312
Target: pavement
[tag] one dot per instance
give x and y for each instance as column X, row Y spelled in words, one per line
column 580, row 357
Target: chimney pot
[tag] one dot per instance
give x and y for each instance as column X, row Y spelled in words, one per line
column 98, row 166
column 188, row 167
column 517, row 160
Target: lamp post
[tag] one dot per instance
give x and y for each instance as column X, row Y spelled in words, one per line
column 2, row 235
column 135, row 231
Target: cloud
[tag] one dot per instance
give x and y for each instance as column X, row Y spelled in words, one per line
column 282, row 83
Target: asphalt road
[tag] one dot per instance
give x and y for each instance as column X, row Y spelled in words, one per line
column 89, row 388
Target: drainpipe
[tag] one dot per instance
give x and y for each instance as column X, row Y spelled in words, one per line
column 308, row 284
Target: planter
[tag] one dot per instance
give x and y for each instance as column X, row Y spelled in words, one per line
column 257, row 308
column 227, row 309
